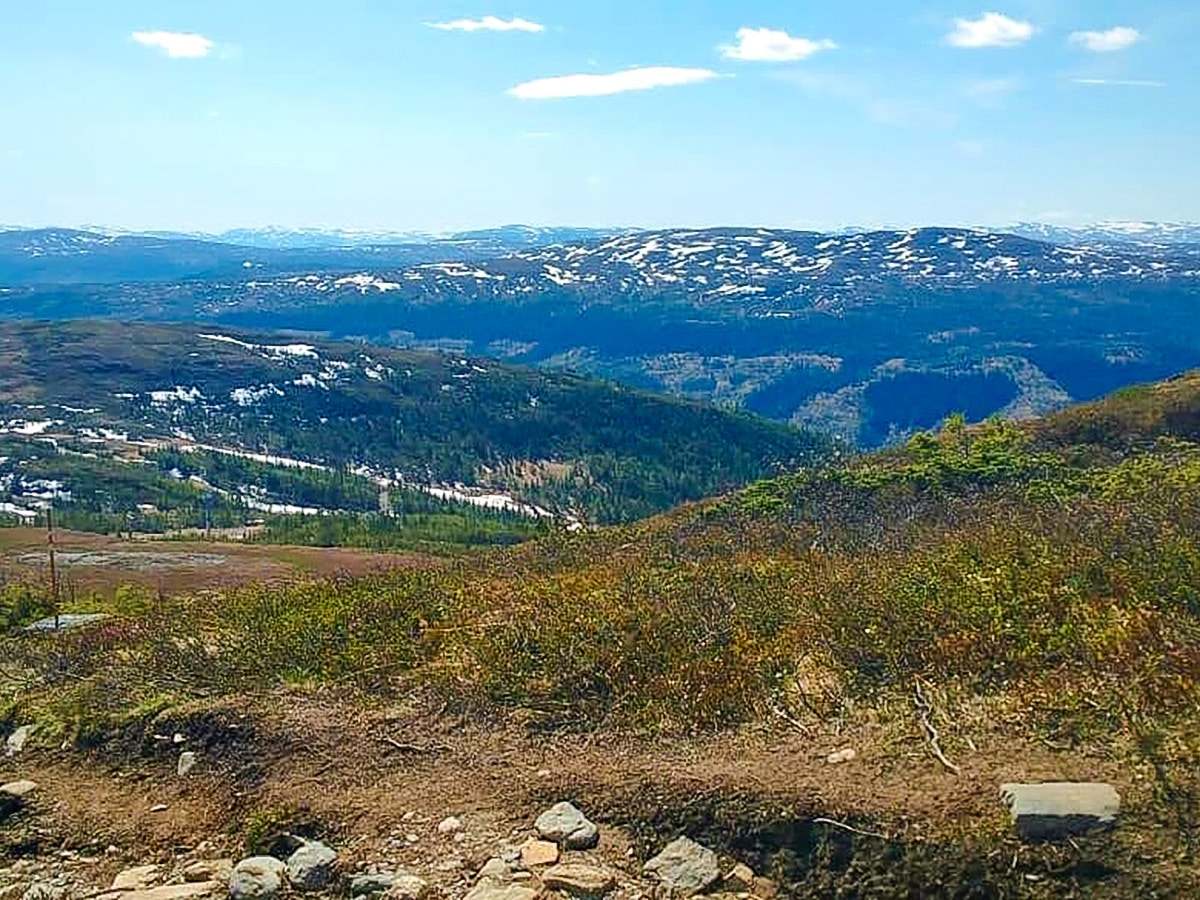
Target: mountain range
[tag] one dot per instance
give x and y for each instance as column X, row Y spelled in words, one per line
column 868, row 336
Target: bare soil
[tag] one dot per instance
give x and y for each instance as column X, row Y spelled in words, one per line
column 892, row 822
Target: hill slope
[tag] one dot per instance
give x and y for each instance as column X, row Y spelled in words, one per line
column 578, row 447
column 987, row 604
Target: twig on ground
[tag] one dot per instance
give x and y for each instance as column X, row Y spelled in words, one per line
column 411, row 748
column 924, row 707
column 800, row 726
column 849, row 828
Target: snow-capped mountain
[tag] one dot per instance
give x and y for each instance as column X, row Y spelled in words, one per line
column 1144, row 234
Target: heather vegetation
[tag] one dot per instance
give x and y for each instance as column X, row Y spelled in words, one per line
column 999, row 560
column 1021, row 581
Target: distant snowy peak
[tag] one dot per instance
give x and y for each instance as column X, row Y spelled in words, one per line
column 1151, row 234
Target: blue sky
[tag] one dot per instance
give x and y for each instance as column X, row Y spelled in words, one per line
column 446, row 114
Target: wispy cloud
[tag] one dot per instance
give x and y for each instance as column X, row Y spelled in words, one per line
column 603, row 85
column 176, row 44
column 991, row 91
column 489, row 23
column 1106, row 41
column 769, row 45
column 989, row 30
column 1118, row 82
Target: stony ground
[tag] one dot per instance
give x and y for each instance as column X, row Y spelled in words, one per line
column 409, row 791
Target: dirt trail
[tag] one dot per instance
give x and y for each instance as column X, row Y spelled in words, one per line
column 360, row 777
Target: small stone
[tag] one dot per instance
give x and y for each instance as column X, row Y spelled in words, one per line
column 841, row 756
column 310, row 867
column 191, row 891
column 538, row 853
column 372, row 883
column 257, row 878
column 408, row 887
column 495, row 869
column 16, row 743
column 579, row 880
column 208, row 870
column 450, row 825
column 412, row 838
column 1058, row 810
column 159, row 808
column 685, row 867
column 765, row 889
column 567, row 826
column 491, row 890
column 178, row 739
column 740, row 878
column 459, row 837
column 19, row 789
column 187, row 762
column 138, row 878
column 544, row 773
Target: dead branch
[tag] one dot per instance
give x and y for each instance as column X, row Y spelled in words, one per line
column 800, row 726
column 846, row 827
column 925, row 707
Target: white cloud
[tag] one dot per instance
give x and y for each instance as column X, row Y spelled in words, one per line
column 1118, row 82
column 989, row 30
column 602, row 85
column 489, row 23
column 1106, row 41
column 769, row 45
column 176, row 44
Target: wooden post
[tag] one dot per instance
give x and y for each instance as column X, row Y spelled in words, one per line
column 53, row 563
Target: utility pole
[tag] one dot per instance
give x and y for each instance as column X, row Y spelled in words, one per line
column 53, row 563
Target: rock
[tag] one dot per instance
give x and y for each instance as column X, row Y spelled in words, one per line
column 66, row 622
column 408, row 887
column 187, row 762
column 538, row 853
column 159, row 808
column 740, row 878
column 138, row 878
column 191, row 891
column 495, row 869
column 685, row 867
column 12, row 796
column 310, row 867
column 257, row 878
column 579, row 880
column 372, row 883
column 567, row 826
column 19, row 789
column 16, row 743
column 765, row 888
column 841, row 756
column 208, row 870
column 450, row 825
column 46, row 890
column 492, row 890
column 1058, row 810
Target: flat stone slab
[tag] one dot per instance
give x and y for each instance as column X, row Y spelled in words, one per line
column 1057, row 810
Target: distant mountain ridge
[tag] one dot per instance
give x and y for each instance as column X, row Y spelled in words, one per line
column 869, row 335
column 1142, row 234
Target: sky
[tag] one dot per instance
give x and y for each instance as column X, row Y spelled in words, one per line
column 437, row 115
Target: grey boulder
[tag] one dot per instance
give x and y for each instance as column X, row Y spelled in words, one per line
column 567, row 826
column 684, row 868
column 1058, row 810
column 311, row 866
column 257, row 878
